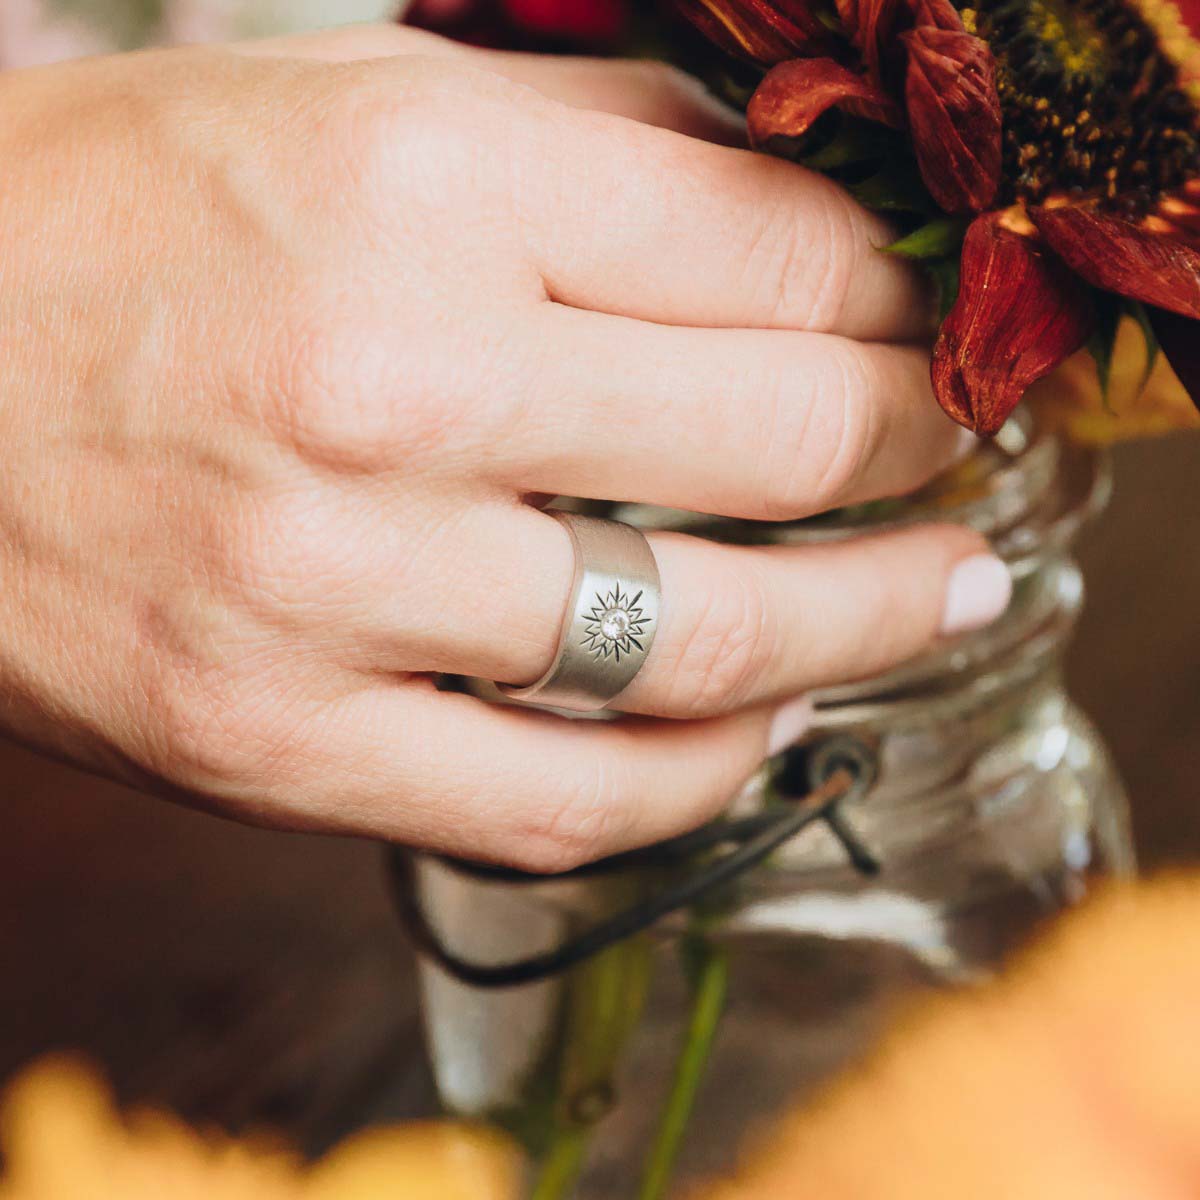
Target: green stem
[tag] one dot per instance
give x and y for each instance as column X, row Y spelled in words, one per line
column 561, row 1166
column 709, row 989
column 605, row 1002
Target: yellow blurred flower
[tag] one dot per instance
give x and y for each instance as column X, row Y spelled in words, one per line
column 1069, row 400
column 63, row 1139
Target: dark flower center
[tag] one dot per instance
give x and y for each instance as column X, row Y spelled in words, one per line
column 1091, row 106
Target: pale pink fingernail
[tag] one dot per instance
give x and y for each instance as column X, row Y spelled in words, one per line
column 977, row 592
column 789, row 725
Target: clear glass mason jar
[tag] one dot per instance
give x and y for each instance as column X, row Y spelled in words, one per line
column 994, row 806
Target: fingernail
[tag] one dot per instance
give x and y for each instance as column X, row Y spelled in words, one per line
column 978, row 591
column 789, row 725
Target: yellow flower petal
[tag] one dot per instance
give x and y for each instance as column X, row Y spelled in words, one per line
column 63, row 1139
column 430, row 1161
column 1069, row 400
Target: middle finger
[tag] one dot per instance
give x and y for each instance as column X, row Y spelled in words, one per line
column 761, row 424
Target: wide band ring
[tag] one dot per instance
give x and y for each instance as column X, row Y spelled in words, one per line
column 610, row 621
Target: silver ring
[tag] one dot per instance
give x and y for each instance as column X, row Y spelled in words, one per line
column 610, row 622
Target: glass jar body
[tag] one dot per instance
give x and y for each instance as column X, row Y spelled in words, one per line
column 994, row 806
column 820, row 959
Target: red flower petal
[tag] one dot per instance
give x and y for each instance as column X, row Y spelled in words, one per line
column 1125, row 258
column 954, row 111
column 1019, row 313
column 794, row 94
column 1189, row 13
column 600, row 21
column 1179, row 338
column 869, row 24
column 759, row 30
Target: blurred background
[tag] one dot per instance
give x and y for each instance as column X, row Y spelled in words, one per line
column 174, row 948
column 37, row 31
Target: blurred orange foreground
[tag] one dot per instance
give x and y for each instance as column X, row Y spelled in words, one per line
column 63, row 1140
column 1076, row 1077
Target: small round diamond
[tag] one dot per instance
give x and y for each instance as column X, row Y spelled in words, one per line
column 614, row 623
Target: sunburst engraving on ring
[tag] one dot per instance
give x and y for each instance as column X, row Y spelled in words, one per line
column 615, row 624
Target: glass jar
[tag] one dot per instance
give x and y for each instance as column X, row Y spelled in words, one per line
column 994, row 806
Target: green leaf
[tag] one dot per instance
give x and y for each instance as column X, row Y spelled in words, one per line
column 896, row 188
column 938, row 238
column 1138, row 311
column 1104, row 337
column 945, row 274
column 831, row 21
column 735, row 92
column 856, row 142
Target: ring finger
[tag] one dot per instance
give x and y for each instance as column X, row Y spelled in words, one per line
column 738, row 627
column 741, row 627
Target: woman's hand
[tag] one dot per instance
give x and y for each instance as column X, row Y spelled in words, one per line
column 288, row 345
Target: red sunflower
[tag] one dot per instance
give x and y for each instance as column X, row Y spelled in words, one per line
column 1060, row 140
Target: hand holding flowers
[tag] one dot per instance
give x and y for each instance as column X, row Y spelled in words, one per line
column 294, row 345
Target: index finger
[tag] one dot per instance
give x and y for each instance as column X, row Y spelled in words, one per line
column 647, row 223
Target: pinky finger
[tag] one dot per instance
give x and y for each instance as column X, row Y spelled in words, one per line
column 524, row 788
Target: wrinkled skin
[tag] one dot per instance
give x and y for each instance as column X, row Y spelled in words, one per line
column 289, row 342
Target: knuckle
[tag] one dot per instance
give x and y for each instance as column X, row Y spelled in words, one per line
column 803, row 263
column 728, row 647
column 774, row 264
column 331, row 383
column 821, row 439
column 842, row 433
column 203, row 745
column 586, row 823
column 833, row 239
column 210, row 724
column 372, row 123
column 423, row 131
column 291, row 559
column 338, row 401
column 327, row 406
column 783, row 489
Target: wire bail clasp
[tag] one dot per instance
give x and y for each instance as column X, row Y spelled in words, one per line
column 831, row 772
